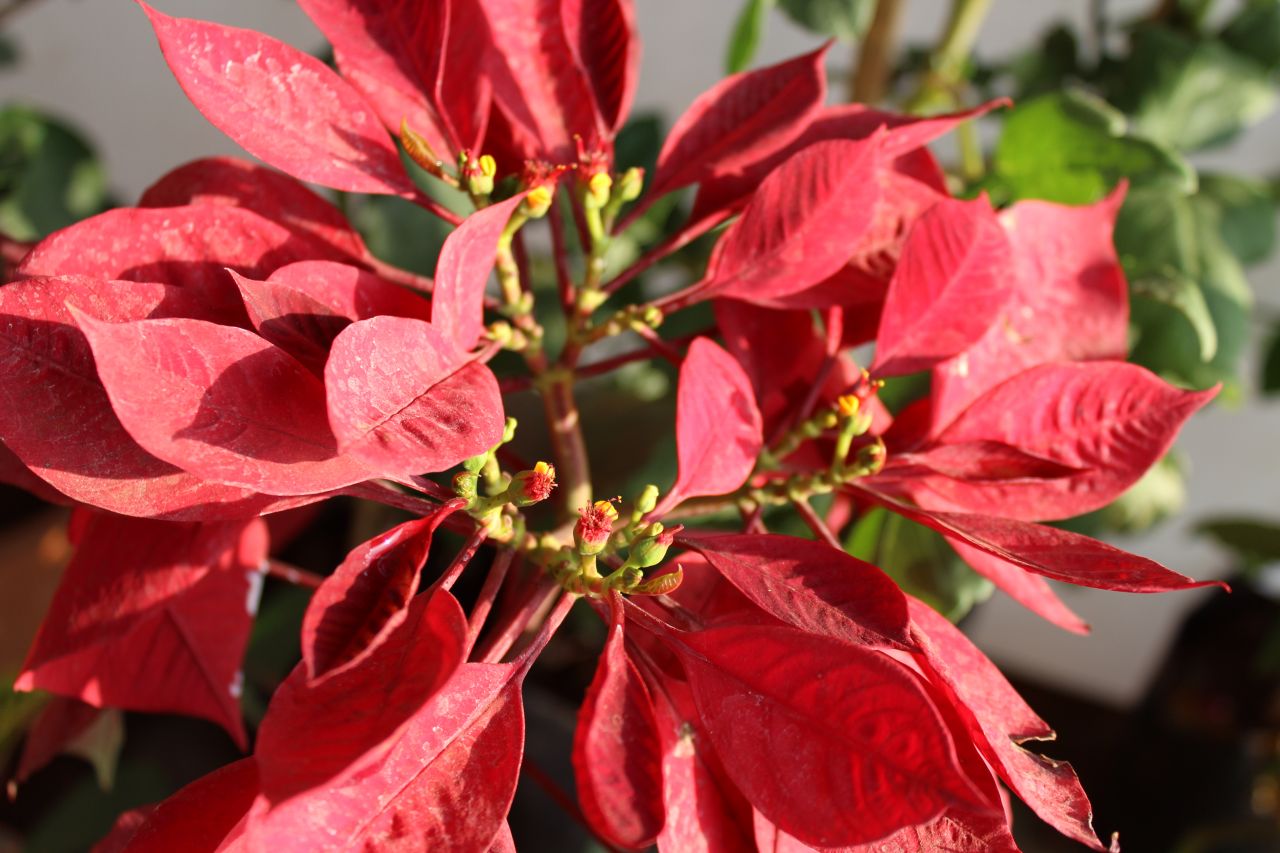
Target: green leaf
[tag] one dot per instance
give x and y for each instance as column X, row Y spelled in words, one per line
column 1158, row 494
column 1071, row 147
column 100, row 745
column 846, row 20
column 49, row 176
column 1191, row 94
column 400, row 232
column 1255, row 33
column 1184, row 296
column 745, row 39
column 1248, row 214
column 1254, row 540
column 1271, row 363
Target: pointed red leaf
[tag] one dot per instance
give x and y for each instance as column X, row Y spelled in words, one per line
column 1070, row 302
column 979, row 462
column 318, row 730
column 1031, row 591
column 954, row 832
column 954, row 276
column 366, row 597
column 220, row 403
column 1108, row 420
column 615, row 748
column 718, row 430
column 350, row 291
column 403, row 400
column 801, row 225
column 292, row 320
column 1003, row 722
column 282, row 105
column 466, row 261
column 603, row 32
column 810, row 585
column 227, row 181
column 153, row 616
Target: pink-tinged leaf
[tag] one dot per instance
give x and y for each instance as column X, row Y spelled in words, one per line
column 69, row 726
column 350, row 291
column 446, row 783
column 317, row 730
column 954, row 276
column 603, row 32
column 979, row 462
column 292, row 320
column 740, row 120
column 281, row 105
column 1070, row 302
column 56, row 416
column 227, row 181
column 810, row 585
column 1031, row 591
column 221, row 403
column 835, row 743
column 466, row 260
column 615, row 748
column 1004, row 722
column 1048, row 551
column 1109, row 420
column 153, row 616
column 954, row 832
column 403, row 400
column 538, row 77
column 204, row 816
column 801, row 225
column 718, row 429
column 366, row 597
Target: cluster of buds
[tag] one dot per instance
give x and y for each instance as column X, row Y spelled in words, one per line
column 522, row 489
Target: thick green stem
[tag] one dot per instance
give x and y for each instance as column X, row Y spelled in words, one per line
column 870, row 78
column 947, row 62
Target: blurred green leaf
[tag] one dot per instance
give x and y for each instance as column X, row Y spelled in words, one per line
column 17, row 710
column 49, row 175
column 1190, row 94
column 1071, row 147
column 1254, row 540
column 745, row 39
column 400, row 232
column 1271, row 362
column 9, row 54
column 100, row 745
column 1255, row 32
column 1047, row 64
column 1247, row 212
column 639, row 142
column 1158, row 494
column 846, row 20
column 1184, row 296
column 84, row 814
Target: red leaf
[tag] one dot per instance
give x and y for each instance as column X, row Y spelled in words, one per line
column 810, row 585
column 466, row 260
column 740, row 120
column 1031, row 591
column 292, row 320
column 979, row 462
column 343, row 723
column 281, row 105
column 1003, row 722
column 220, row 403
column 718, row 430
column 366, row 597
column 56, row 417
column 953, row 278
column 802, row 223
column 153, row 616
column 402, row 400
column 350, row 291
column 604, row 34
column 204, row 816
column 615, row 748
column 226, row 181
column 1070, row 302
column 954, row 832
column 445, row 784
column 16, row 473
column 1109, row 420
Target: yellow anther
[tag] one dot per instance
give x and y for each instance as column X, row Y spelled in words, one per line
column 488, row 166
column 599, row 187
column 848, row 405
column 538, row 201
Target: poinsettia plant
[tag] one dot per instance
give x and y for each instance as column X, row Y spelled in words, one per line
column 187, row 371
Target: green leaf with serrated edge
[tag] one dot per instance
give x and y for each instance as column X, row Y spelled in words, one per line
column 846, row 20
column 1073, row 148
column 49, row 175
column 1247, row 213
column 1255, row 33
column 1184, row 296
column 745, row 39
column 1254, row 540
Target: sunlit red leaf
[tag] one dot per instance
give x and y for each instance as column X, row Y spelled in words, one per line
column 282, row 105
column 350, row 291
column 292, row 320
column 954, row 832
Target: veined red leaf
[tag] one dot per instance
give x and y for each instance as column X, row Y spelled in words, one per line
column 403, row 400
column 292, row 320
column 954, row 832
column 615, row 748
column 350, row 291
column 220, row 403
column 801, row 225
column 603, row 32
column 226, row 181
column 462, row 271
column 740, row 120
column 1001, row 722
column 56, row 416
column 1108, row 420
column 366, row 597
column 283, row 106
column 810, row 585
column 321, row 730
column 718, row 430
column 1070, row 302
column 69, row 726
column 1031, row 591
column 954, row 276
column 153, row 616
column 979, row 462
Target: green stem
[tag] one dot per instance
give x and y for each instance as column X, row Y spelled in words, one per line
column 947, row 62
column 870, row 78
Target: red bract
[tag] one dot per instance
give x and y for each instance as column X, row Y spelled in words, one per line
column 231, row 348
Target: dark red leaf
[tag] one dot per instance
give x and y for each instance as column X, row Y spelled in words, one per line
column 69, row 726
column 350, row 291
column 603, row 32
column 403, row 400
column 282, row 105
column 954, row 276
column 220, row 403
column 16, row 473
column 153, row 616
column 292, row 320
column 1031, row 591
column 718, row 429
column 616, row 748
column 810, row 585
